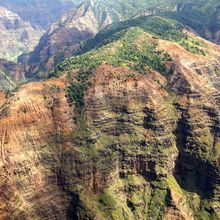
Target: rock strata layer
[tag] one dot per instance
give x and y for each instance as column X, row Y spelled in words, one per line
column 145, row 146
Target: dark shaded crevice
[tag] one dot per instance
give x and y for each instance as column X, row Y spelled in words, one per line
column 76, row 210
column 195, row 175
column 191, row 172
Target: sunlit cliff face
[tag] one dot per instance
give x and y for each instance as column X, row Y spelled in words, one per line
column 129, row 128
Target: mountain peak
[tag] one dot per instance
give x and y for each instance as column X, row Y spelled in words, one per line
column 15, row 31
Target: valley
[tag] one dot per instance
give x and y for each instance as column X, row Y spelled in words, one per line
column 114, row 115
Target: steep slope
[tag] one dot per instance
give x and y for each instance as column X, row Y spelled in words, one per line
column 200, row 17
column 204, row 20
column 12, row 75
column 39, row 13
column 129, row 130
column 64, row 37
column 16, row 36
column 23, row 22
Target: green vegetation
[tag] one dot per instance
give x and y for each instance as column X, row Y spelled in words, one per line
column 82, row 131
column 7, row 83
column 157, row 204
column 193, row 46
column 201, row 207
column 199, row 19
column 106, row 204
column 158, row 26
column 191, row 18
column 150, row 201
column 172, row 183
column 129, row 51
column 104, row 141
column 106, row 200
column 137, row 56
column 135, row 50
column 77, row 88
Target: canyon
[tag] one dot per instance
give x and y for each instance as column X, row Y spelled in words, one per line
column 23, row 23
column 139, row 145
column 17, row 36
column 110, row 118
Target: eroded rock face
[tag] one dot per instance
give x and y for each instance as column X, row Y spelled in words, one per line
column 17, row 36
column 39, row 13
column 11, row 75
column 64, row 38
column 145, row 146
column 31, row 161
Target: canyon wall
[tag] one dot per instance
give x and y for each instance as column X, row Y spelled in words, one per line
column 144, row 146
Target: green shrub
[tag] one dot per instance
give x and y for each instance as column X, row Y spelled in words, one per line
column 106, row 202
column 77, row 88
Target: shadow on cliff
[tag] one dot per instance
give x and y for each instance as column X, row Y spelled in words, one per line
column 191, row 172
column 77, row 210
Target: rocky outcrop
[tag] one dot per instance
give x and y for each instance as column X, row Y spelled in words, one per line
column 144, row 146
column 17, row 36
column 34, row 167
column 39, row 13
column 64, row 37
column 11, row 75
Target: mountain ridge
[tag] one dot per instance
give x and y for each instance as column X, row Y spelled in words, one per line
column 98, row 11
column 39, row 13
column 127, row 130
column 17, row 36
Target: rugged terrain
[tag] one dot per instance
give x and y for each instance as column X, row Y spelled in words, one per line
column 22, row 23
column 11, row 75
column 39, row 13
column 17, row 36
column 65, row 37
column 128, row 130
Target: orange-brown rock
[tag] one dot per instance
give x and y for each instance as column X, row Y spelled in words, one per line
column 145, row 146
column 64, row 37
column 30, row 165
